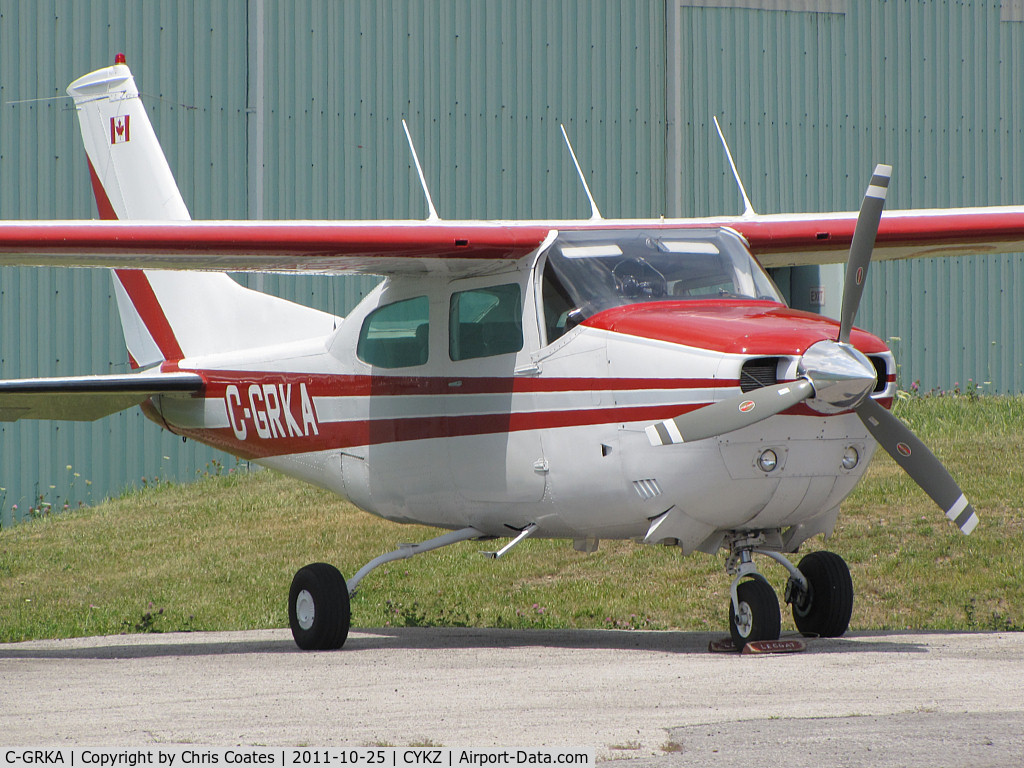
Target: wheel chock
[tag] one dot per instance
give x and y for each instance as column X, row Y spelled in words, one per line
column 788, row 645
column 725, row 645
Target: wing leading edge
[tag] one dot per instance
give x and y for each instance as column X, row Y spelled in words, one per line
column 790, row 240
column 87, row 398
column 382, row 248
column 281, row 246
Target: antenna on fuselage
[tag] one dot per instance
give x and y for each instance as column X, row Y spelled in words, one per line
column 431, row 210
column 748, row 209
column 595, row 214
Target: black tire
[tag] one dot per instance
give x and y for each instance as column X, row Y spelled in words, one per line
column 318, row 608
column 826, row 609
column 757, row 597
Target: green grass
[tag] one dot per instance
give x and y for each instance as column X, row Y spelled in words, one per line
column 219, row 554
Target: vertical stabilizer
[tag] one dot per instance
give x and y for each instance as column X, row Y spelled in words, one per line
column 168, row 315
column 129, row 172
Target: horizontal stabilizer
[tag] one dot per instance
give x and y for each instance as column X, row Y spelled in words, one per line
column 87, row 398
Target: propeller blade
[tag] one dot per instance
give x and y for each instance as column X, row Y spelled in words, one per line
column 918, row 462
column 862, row 246
column 731, row 414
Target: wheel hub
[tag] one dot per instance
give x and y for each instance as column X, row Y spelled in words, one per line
column 799, row 597
column 305, row 609
column 744, row 620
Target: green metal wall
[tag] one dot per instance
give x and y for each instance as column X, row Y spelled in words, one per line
column 484, row 86
column 279, row 109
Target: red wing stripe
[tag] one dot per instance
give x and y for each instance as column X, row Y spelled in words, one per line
column 920, row 229
column 264, row 244
column 136, row 284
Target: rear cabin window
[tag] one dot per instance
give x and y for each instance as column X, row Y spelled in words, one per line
column 485, row 322
column 395, row 335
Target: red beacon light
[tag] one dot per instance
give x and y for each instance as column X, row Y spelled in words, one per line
column 120, row 59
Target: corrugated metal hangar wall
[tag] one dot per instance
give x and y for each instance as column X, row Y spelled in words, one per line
column 291, row 109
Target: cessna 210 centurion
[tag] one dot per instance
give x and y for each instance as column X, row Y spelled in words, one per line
column 585, row 380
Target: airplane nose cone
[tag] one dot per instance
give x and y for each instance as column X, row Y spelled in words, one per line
column 841, row 375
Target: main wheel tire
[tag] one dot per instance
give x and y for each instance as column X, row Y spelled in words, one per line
column 826, row 609
column 759, row 617
column 318, row 608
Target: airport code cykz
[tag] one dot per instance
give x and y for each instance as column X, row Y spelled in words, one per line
column 386, row 757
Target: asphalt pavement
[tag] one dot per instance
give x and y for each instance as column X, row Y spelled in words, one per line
column 652, row 698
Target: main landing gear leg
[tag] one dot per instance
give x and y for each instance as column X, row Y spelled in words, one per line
column 823, row 603
column 319, row 610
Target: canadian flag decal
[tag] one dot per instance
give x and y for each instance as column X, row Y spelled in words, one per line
column 119, row 131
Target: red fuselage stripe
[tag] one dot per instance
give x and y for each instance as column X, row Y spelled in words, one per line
column 321, row 385
column 376, row 431
column 347, row 434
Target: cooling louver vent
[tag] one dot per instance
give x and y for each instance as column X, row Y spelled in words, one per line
column 647, row 489
column 759, row 372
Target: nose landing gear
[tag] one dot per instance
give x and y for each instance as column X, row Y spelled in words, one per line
column 757, row 615
column 819, row 590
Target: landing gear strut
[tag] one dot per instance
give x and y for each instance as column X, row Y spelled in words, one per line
column 319, row 608
column 820, row 591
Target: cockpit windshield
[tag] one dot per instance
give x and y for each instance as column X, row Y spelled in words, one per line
column 588, row 272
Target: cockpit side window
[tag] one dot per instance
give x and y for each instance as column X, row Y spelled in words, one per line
column 396, row 335
column 558, row 306
column 485, row 321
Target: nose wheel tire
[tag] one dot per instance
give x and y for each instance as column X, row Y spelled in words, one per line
column 758, row 617
column 824, row 610
column 318, row 608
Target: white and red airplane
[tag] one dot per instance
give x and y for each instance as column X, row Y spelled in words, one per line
column 583, row 380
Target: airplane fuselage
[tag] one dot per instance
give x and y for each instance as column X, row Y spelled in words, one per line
column 498, row 403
